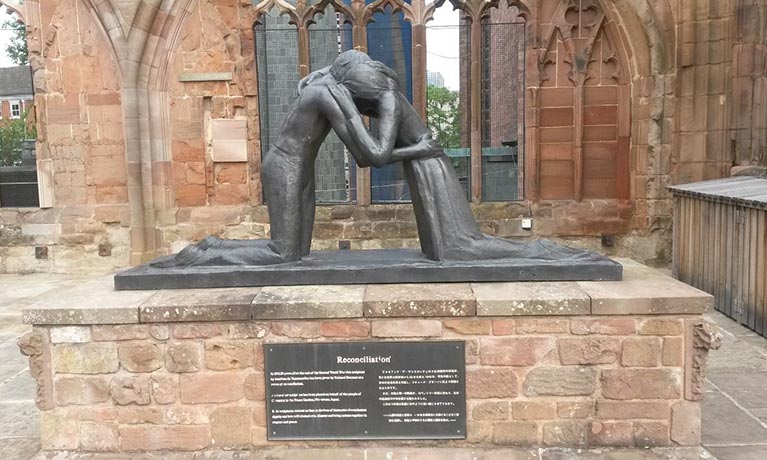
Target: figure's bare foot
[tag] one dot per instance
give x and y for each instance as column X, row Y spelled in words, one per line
column 187, row 256
column 212, row 250
column 208, row 242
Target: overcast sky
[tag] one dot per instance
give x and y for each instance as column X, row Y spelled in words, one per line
column 5, row 39
column 442, row 51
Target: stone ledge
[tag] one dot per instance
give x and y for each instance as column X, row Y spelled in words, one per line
column 396, row 452
column 419, row 300
column 643, row 291
column 308, row 302
column 531, row 299
column 198, row 305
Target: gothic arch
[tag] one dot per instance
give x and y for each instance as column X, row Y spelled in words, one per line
column 154, row 112
column 653, row 20
column 110, row 21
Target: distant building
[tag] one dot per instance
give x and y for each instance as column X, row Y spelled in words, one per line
column 435, row 79
column 16, row 91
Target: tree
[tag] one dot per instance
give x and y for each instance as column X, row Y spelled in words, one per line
column 12, row 132
column 443, row 116
column 17, row 49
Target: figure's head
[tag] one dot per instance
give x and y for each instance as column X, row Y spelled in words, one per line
column 365, row 78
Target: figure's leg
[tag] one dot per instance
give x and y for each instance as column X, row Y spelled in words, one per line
column 307, row 225
column 283, row 192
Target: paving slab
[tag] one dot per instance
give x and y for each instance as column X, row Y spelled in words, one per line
column 10, row 370
column 19, row 419
column 21, row 387
column 738, row 356
column 761, row 414
column 727, row 424
column 19, row 448
column 515, row 299
column 734, row 407
column 417, row 300
column 308, row 302
column 749, row 389
column 11, row 325
column 740, row 452
column 22, row 288
column 9, row 351
column 92, row 302
column 729, row 326
column 754, row 340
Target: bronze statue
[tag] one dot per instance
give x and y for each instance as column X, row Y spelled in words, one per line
column 337, row 98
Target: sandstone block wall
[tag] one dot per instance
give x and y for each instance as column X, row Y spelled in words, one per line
column 547, row 364
column 578, row 381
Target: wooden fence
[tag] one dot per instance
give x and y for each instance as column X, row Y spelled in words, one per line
column 720, row 245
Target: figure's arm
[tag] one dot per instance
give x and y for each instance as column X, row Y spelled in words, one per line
column 337, row 120
column 377, row 152
column 425, row 148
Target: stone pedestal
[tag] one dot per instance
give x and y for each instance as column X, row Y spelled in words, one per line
column 573, row 364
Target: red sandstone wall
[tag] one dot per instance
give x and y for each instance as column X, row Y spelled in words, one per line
column 688, row 120
column 217, row 37
column 80, row 115
column 570, row 381
column 81, row 141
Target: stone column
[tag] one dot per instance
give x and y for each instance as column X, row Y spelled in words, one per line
column 748, row 126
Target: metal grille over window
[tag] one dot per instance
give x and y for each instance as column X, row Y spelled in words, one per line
column 390, row 41
column 503, row 108
column 277, row 62
column 335, row 171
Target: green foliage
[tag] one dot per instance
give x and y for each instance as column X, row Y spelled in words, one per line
column 12, row 132
column 17, row 49
column 443, row 116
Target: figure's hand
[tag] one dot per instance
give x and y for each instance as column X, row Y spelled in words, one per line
column 434, row 148
column 343, row 98
column 429, row 148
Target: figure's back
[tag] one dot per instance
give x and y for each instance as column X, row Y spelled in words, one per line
column 305, row 126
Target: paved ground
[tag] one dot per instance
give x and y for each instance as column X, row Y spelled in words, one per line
column 735, row 406
column 734, row 410
column 19, row 424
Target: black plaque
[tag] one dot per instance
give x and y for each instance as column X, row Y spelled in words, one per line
column 366, row 390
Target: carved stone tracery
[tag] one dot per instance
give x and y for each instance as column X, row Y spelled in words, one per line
column 579, row 50
column 580, row 26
